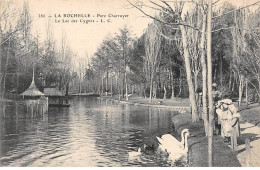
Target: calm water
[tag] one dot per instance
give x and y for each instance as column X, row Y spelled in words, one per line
column 92, row 132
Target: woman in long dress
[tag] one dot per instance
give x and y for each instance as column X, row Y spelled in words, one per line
column 229, row 120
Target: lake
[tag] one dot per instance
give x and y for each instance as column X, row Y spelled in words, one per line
column 92, row 132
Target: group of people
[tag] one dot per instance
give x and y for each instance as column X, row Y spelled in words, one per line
column 228, row 121
column 226, row 117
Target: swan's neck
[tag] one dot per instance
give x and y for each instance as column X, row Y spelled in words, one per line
column 186, row 148
column 139, row 150
column 182, row 137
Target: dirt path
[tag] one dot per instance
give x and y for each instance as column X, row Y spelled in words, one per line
column 251, row 132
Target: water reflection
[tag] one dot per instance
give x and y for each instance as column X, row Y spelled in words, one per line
column 93, row 132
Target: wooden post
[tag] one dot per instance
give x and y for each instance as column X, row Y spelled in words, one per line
column 248, row 152
column 233, row 140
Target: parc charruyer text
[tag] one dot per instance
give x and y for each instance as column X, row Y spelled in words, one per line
column 84, row 18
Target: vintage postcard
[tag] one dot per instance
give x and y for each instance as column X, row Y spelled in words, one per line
column 129, row 83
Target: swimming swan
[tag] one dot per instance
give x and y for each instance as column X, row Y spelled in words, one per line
column 176, row 153
column 167, row 140
column 134, row 155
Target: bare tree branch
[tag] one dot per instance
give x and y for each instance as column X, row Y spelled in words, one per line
column 215, row 2
column 159, row 20
column 235, row 10
column 159, row 5
column 257, row 28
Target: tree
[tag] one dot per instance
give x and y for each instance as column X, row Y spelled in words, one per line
column 7, row 31
column 210, row 97
column 49, row 58
column 64, row 65
column 124, row 42
column 178, row 22
column 152, row 55
column 136, row 63
column 246, row 50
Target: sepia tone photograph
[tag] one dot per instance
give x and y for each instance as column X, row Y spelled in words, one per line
column 129, row 83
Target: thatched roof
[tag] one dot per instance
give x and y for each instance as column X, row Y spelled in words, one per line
column 52, row 92
column 32, row 90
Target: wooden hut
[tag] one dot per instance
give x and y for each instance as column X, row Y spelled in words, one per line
column 36, row 102
column 56, row 98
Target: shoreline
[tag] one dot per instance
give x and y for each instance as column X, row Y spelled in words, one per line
column 223, row 155
column 158, row 103
column 248, row 113
column 152, row 105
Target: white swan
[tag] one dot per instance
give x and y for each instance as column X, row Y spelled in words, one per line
column 167, row 141
column 176, row 153
column 134, row 155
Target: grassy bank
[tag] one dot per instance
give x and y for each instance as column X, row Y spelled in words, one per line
column 182, row 104
column 251, row 115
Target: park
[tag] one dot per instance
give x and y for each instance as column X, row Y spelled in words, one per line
column 162, row 83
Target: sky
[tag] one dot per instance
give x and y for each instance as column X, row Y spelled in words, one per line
column 85, row 38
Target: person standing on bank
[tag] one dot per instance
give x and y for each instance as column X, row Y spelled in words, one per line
column 229, row 120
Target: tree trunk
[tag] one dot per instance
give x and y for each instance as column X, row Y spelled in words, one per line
column 145, row 92
column 151, row 91
column 102, row 85
column 124, row 81
column 210, row 97
column 172, row 97
column 67, row 89
column 221, row 71
column 126, row 92
column 204, row 76
column 17, row 78
column 246, row 92
column 119, row 90
column 0, row 64
column 259, row 90
column 230, row 75
column 196, row 72
column 165, row 92
column 180, row 87
column 193, row 102
column 172, row 85
column 240, row 91
column 117, row 84
column 196, row 80
column 60, row 86
column 215, row 74
column 122, row 90
column 154, row 90
column 6, row 67
column 233, row 84
column 106, row 82
column 111, row 91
